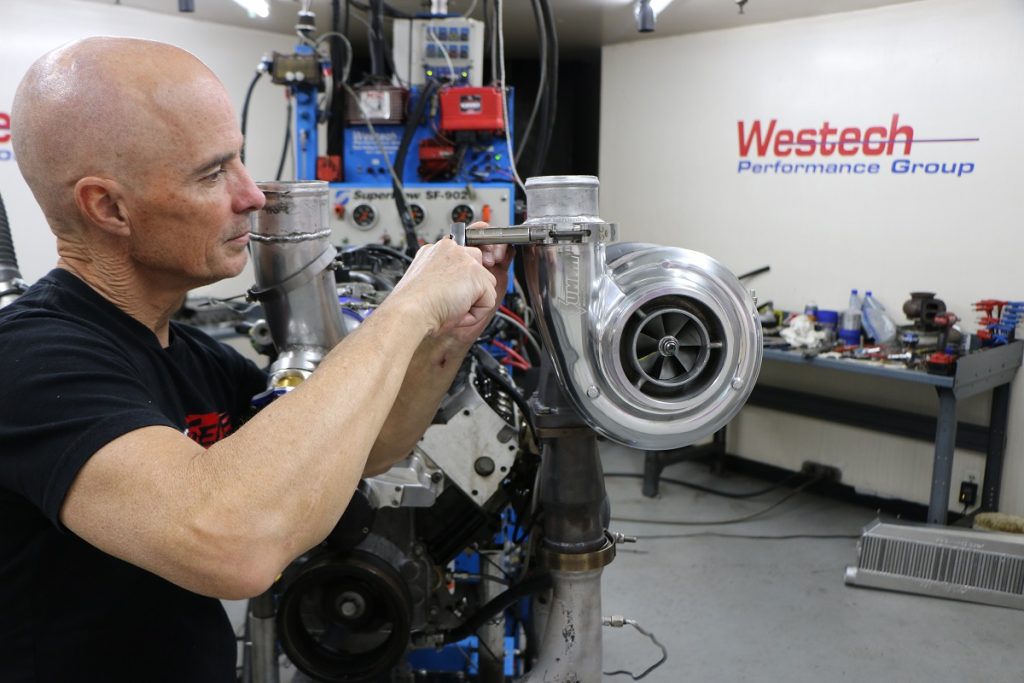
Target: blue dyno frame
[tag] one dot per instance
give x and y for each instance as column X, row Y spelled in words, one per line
column 486, row 165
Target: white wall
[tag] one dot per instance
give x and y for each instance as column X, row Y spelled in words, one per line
column 29, row 28
column 949, row 68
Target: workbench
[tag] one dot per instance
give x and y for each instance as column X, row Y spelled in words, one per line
column 986, row 370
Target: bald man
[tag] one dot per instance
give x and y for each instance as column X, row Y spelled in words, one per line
column 118, row 532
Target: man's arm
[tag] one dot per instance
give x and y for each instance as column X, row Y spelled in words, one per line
column 227, row 520
column 431, row 373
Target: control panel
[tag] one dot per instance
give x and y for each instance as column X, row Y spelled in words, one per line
column 450, row 49
column 365, row 214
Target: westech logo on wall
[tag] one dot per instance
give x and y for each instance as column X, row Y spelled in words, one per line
column 825, row 150
column 5, row 137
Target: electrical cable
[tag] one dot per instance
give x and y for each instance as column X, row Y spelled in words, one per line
column 287, row 140
column 468, row 12
column 245, row 107
column 751, row 537
column 348, row 49
column 541, row 83
column 485, row 558
column 514, row 355
column 527, row 311
column 484, row 363
column 380, row 249
column 510, row 313
column 492, row 44
column 444, row 51
column 705, row 489
column 719, row 522
column 340, row 55
column 504, row 97
column 620, row 622
column 412, row 244
column 522, row 328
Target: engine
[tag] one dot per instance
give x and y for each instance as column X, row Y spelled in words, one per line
column 450, row 563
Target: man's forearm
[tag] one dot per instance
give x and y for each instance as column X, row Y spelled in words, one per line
column 431, row 372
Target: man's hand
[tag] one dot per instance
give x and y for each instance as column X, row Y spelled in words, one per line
column 496, row 258
column 450, row 286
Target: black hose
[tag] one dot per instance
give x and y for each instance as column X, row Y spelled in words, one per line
column 8, row 260
column 338, row 51
column 245, row 108
column 287, row 140
column 538, row 100
column 529, row 586
column 377, row 45
column 408, row 224
column 487, row 365
column 756, row 271
column 551, row 98
column 381, row 249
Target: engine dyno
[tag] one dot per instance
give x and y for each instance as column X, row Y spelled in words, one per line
column 497, row 521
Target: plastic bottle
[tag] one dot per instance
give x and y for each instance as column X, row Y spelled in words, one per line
column 849, row 321
column 877, row 322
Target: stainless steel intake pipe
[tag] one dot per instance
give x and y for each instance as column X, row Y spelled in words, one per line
column 293, row 261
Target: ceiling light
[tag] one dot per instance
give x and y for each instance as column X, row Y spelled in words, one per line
column 255, row 8
column 658, row 5
column 644, row 16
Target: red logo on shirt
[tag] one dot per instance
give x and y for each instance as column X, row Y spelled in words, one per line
column 207, row 429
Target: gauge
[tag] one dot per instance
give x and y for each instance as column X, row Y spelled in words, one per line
column 463, row 213
column 418, row 214
column 364, row 216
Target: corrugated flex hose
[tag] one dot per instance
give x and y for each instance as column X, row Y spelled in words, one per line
column 8, row 261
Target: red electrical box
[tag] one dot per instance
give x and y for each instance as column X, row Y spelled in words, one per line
column 472, row 109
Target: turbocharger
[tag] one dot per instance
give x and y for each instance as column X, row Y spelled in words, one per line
column 657, row 347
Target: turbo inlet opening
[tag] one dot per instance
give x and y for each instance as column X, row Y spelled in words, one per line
column 672, row 347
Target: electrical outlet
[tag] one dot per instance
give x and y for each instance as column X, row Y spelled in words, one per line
column 814, row 470
column 968, row 493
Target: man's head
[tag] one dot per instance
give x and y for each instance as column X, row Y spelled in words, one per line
column 131, row 148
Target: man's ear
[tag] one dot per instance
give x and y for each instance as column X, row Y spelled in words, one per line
column 100, row 201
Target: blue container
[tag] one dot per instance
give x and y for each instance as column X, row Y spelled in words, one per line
column 828, row 319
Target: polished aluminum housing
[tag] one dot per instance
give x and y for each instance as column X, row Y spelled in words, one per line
column 943, row 562
column 657, row 347
column 293, row 260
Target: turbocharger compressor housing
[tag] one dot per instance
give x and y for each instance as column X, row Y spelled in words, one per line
column 657, row 347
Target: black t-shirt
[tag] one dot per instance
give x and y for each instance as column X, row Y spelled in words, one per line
column 76, row 372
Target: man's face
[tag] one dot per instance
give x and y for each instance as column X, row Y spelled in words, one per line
column 189, row 203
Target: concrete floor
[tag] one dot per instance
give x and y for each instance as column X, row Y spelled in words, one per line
column 732, row 610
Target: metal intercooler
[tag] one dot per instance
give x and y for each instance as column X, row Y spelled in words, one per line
column 960, row 564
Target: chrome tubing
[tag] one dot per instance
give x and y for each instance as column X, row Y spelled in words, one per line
column 570, row 649
column 657, row 347
column 293, row 260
